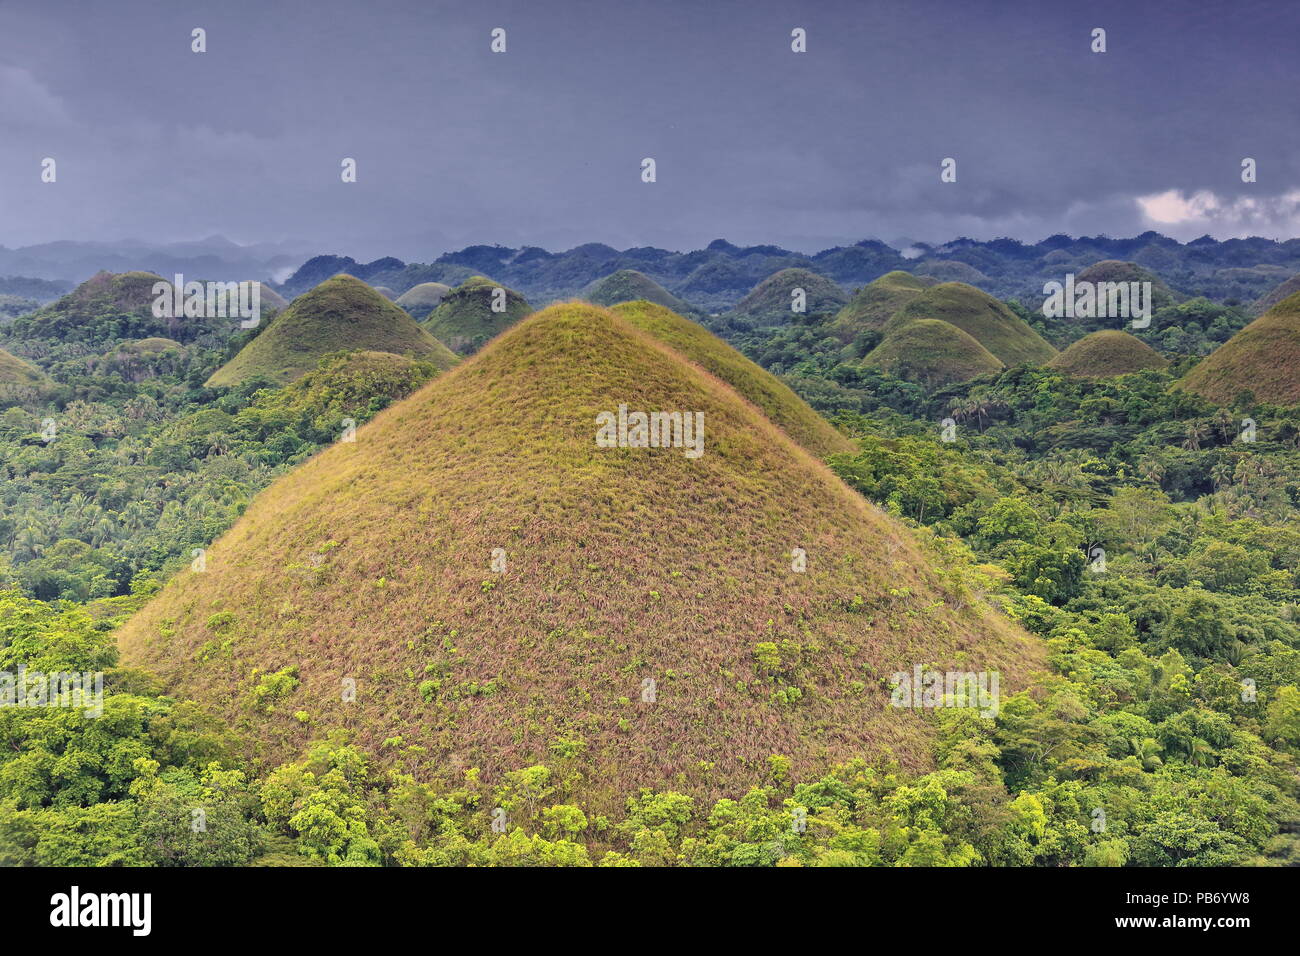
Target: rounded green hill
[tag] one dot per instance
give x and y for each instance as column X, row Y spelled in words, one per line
column 1117, row 270
column 628, row 285
column 982, row 317
column 340, row 313
column 373, row 561
column 1107, row 353
column 1263, row 359
column 424, row 296
column 465, row 319
column 873, row 304
column 770, row 302
column 932, row 353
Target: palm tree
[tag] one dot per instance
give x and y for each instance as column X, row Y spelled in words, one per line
column 1193, row 436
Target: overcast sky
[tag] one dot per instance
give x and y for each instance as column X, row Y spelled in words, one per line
column 542, row 145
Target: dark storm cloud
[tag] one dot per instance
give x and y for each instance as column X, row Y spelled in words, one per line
column 542, row 145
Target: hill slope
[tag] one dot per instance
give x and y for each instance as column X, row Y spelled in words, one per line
column 628, row 285
column 932, row 353
column 370, row 562
column 465, row 321
column 340, row 313
column 1263, row 358
column 769, row 303
column 16, row 372
column 1283, row 291
column 1107, row 353
column 777, row 401
column 873, row 304
column 980, row 316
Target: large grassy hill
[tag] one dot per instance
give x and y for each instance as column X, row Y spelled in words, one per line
column 982, row 317
column 1106, row 353
column 932, row 353
column 648, row 628
column 1263, row 358
column 873, row 304
column 340, row 313
column 761, row 387
column 464, row 320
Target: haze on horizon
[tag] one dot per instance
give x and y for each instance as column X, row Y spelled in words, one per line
column 542, row 145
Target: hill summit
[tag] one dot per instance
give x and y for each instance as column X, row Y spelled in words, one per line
column 982, row 317
column 1263, row 359
column 475, row 582
column 776, row 399
column 475, row 311
column 932, row 353
column 340, row 313
column 1107, row 353
column 874, row 303
column 770, row 302
column 628, row 285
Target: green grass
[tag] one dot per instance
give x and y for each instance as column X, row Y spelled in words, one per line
column 464, row 320
column 932, row 353
column 980, row 316
column 624, row 565
column 873, row 304
column 777, row 401
column 1107, row 353
column 628, row 285
column 340, row 313
column 16, row 371
column 1263, row 358
column 769, row 302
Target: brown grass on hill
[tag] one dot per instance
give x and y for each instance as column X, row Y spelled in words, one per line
column 372, row 561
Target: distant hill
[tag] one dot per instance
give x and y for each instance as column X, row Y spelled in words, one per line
column 979, row 315
column 1263, row 358
column 143, row 358
column 770, row 301
column 340, row 313
column 873, row 304
column 628, row 285
column 1113, row 270
column 777, row 401
column 108, row 309
column 932, row 353
column 423, row 298
column 715, row 278
column 648, row 628
column 1107, row 353
column 1284, row 290
column 465, row 320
